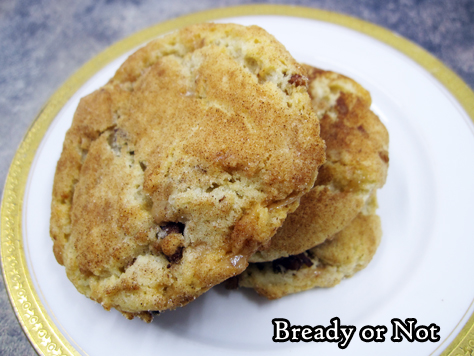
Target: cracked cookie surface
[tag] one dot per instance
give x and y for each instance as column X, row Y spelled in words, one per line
column 182, row 166
column 356, row 165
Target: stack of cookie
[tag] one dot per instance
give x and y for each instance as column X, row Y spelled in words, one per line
column 335, row 231
column 183, row 168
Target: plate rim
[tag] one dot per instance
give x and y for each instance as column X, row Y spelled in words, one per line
column 36, row 323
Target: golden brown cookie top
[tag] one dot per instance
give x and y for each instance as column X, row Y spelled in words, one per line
column 356, row 165
column 180, row 167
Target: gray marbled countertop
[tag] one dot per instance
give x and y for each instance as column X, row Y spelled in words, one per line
column 44, row 42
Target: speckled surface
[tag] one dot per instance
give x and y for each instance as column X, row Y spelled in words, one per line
column 44, row 42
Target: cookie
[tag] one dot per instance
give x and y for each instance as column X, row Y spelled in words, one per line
column 357, row 163
column 184, row 164
column 325, row 265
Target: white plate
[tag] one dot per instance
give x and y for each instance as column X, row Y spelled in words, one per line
column 422, row 269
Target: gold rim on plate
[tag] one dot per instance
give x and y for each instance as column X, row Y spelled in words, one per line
column 41, row 331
